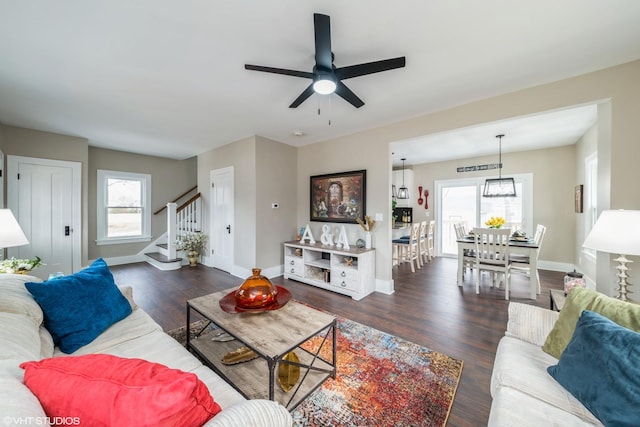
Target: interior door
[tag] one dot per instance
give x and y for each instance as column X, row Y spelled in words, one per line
column 222, row 214
column 44, row 195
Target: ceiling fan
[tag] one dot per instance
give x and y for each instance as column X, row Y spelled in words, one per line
column 326, row 77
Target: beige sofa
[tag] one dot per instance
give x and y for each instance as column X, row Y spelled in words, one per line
column 24, row 338
column 524, row 394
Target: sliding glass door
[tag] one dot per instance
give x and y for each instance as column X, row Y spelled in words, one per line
column 461, row 201
column 458, row 203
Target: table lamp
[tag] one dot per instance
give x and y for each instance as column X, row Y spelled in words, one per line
column 10, row 232
column 617, row 232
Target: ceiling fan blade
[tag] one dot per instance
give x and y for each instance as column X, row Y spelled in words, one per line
column 343, row 91
column 284, row 71
column 370, row 68
column 303, row 96
column 322, row 30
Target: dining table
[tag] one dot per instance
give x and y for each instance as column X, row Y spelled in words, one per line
column 527, row 247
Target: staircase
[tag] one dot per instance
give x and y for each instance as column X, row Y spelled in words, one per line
column 186, row 218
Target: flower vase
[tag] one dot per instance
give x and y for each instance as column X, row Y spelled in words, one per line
column 193, row 258
column 367, row 240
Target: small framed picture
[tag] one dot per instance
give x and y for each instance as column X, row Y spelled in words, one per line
column 578, row 198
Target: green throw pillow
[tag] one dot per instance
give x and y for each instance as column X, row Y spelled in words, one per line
column 579, row 299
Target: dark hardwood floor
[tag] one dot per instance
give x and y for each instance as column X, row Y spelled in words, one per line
column 426, row 308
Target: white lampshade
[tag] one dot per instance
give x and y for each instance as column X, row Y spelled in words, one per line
column 10, row 232
column 617, row 232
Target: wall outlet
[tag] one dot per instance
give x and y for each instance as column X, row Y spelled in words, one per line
column 379, row 217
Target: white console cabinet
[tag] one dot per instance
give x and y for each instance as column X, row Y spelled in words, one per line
column 347, row 271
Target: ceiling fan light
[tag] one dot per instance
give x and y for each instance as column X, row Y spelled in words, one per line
column 324, row 86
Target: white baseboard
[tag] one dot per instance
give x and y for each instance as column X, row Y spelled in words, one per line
column 127, row 259
column 555, row 266
column 385, row 286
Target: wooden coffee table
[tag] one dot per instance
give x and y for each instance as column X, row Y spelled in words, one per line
column 272, row 335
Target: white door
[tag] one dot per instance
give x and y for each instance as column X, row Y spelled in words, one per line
column 222, row 214
column 44, row 195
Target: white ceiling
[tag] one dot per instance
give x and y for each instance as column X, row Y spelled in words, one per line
column 544, row 130
column 166, row 77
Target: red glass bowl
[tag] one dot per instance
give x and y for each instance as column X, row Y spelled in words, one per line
column 229, row 304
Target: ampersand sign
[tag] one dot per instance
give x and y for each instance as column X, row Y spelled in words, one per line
column 326, row 238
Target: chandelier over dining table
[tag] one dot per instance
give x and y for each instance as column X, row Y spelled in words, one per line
column 499, row 187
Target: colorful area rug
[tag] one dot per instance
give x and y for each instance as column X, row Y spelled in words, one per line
column 382, row 380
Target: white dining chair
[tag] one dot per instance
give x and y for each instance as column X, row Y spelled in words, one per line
column 407, row 250
column 423, row 243
column 468, row 255
column 521, row 264
column 431, row 249
column 492, row 254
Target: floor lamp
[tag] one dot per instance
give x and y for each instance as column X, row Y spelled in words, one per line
column 617, row 232
column 10, row 232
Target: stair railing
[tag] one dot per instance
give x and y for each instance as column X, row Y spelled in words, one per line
column 172, row 230
column 183, row 219
column 177, row 199
column 189, row 216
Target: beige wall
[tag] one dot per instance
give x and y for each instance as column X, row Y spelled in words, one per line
column 617, row 90
column 276, row 183
column 263, row 174
column 169, row 179
column 554, row 179
column 240, row 155
column 46, row 145
column 369, row 151
column 620, row 85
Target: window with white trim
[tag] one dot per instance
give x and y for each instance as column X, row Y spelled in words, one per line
column 124, row 207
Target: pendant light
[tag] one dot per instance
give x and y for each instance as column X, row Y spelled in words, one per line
column 403, row 192
column 499, row 187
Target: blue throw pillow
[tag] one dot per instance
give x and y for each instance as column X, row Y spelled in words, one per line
column 601, row 368
column 79, row 307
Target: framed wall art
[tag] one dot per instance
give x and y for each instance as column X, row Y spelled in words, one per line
column 338, row 197
column 578, row 198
